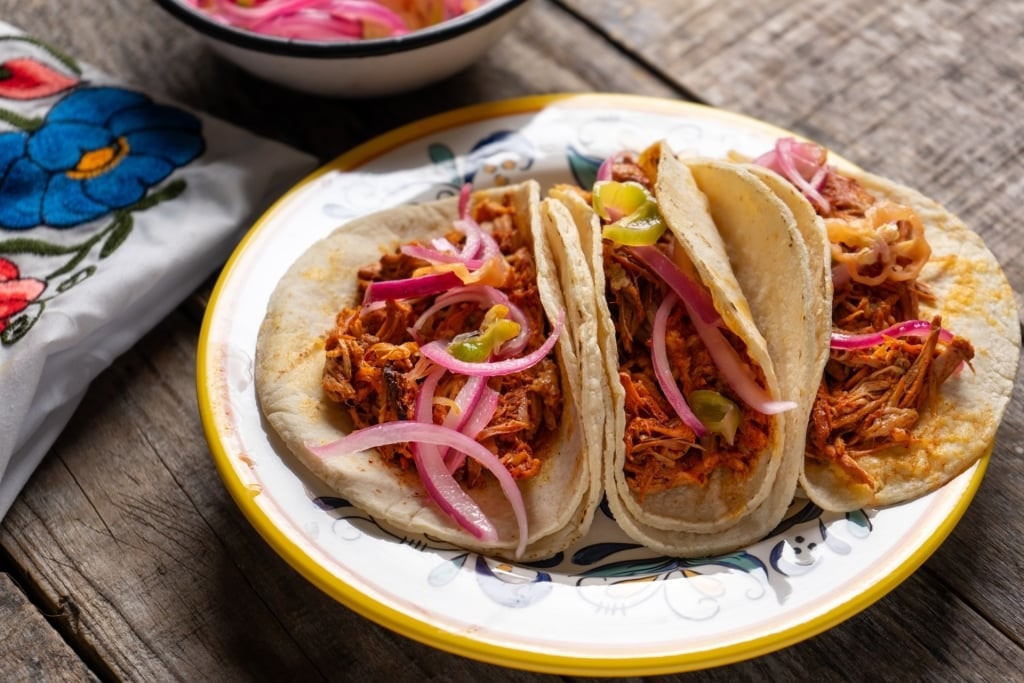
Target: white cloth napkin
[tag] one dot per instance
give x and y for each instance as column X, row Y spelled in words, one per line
column 114, row 207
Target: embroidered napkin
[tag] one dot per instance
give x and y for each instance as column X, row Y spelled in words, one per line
column 114, row 206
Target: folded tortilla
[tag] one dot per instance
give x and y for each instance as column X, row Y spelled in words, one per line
column 958, row 425
column 729, row 510
column 290, row 360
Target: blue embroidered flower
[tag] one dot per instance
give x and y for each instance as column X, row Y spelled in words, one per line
column 98, row 150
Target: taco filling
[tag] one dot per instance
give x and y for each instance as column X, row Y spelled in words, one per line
column 452, row 333
column 886, row 363
column 689, row 383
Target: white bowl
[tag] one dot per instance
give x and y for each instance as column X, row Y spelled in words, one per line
column 363, row 68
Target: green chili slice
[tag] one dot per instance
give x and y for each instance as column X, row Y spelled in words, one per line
column 629, row 211
column 716, row 412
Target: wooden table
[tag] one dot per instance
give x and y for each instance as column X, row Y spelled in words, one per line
column 125, row 557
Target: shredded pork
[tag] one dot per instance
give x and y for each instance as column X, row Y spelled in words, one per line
column 871, row 399
column 374, row 369
column 661, row 451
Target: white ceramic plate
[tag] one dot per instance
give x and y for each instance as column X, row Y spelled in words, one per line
column 605, row 607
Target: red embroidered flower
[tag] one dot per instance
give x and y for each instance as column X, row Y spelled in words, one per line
column 26, row 79
column 15, row 293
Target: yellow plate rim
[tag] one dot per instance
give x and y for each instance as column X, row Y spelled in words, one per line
column 426, row 632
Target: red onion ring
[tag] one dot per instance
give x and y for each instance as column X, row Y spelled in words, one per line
column 437, row 478
column 485, row 296
column 705, row 318
column 310, row 25
column 437, row 351
column 464, row 193
column 474, row 238
column 691, row 292
column 437, row 256
column 486, row 406
column 735, row 371
column 784, row 158
column 411, row 287
column 406, row 431
column 907, row 328
column 308, row 19
column 663, row 372
column 446, row 492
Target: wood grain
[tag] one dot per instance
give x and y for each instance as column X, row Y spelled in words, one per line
column 127, row 533
column 29, row 646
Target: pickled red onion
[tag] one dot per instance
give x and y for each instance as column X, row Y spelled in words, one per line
column 437, row 351
column 480, row 417
column 464, row 193
column 484, row 296
column 802, row 164
column 474, row 239
column 465, row 402
column 486, row 406
column 705, row 318
column 907, row 328
column 411, row 287
column 240, row 15
column 314, row 27
column 735, row 371
column 691, row 292
column 322, row 19
column 446, row 492
column 407, row 431
column 438, row 256
column 435, row 475
column 488, row 245
column 663, row 372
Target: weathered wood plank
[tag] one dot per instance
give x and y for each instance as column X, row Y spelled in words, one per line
column 30, row 649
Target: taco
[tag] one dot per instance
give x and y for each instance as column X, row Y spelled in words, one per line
column 420, row 363
column 925, row 339
column 697, row 427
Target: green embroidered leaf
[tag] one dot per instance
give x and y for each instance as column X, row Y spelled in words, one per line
column 166, row 193
column 76, row 279
column 21, row 324
column 122, row 227
column 25, row 245
column 70, row 265
column 19, row 121
column 64, row 59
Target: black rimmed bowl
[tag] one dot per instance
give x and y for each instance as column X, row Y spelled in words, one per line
column 361, row 68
